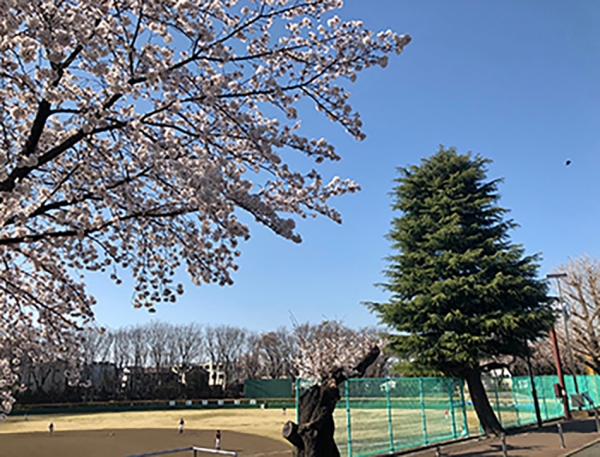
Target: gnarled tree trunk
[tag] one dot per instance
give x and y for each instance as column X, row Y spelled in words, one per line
column 313, row 437
column 485, row 413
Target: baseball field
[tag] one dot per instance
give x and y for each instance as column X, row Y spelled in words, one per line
column 249, row 432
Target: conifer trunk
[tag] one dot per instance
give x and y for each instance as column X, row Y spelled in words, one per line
column 485, row 413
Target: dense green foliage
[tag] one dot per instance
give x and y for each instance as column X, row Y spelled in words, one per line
column 461, row 292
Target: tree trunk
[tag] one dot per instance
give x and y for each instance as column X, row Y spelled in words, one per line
column 485, row 413
column 314, row 436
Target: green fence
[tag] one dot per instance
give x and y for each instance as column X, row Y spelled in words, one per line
column 378, row 415
column 512, row 398
column 268, row 388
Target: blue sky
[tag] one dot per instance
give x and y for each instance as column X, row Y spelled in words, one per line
column 518, row 82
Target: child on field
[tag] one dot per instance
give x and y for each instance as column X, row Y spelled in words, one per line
column 218, row 440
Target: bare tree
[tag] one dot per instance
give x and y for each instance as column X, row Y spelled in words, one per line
column 158, row 340
column 188, row 342
column 104, row 347
column 140, row 350
column 91, row 345
column 581, row 291
column 277, row 351
column 225, row 345
column 249, row 363
column 121, row 348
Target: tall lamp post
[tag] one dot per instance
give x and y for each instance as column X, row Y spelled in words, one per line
column 563, row 306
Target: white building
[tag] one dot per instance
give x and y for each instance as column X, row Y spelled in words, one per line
column 216, row 373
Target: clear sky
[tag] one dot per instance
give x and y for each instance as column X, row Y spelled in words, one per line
column 516, row 81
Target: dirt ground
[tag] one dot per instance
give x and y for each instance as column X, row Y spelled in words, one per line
column 250, row 432
column 123, row 442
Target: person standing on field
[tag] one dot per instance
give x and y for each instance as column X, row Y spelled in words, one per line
column 50, row 428
column 218, row 440
column 181, row 422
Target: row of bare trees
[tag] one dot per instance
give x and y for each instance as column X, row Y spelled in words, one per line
column 242, row 353
column 164, row 360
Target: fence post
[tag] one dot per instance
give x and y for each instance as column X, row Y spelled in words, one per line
column 543, row 395
column 560, row 435
column 346, row 392
column 512, row 387
column 450, row 397
column 297, row 384
column 423, row 420
column 503, row 439
column 495, row 383
column 389, row 411
column 464, row 407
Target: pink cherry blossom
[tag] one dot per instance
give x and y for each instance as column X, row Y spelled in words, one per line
column 134, row 132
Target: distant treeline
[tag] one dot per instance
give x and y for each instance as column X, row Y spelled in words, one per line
column 160, row 360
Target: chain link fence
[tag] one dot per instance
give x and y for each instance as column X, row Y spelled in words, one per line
column 512, row 398
column 379, row 415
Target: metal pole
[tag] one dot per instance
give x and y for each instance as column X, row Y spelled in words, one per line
column 389, row 411
column 348, row 417
column 559, row 373
column 495, row 382
column 297, row 383
column 544, row 396
column 597, row 421
column 464, row 407
column 504, row 451
column 515, row 402
column 423, row 419
column 560, row 435
column 450, row 390
column 536, row 403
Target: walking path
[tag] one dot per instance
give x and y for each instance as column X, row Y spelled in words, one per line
column 529, row 442
column 589, row 451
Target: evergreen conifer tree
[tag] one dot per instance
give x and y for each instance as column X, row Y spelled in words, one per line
column 461, row 292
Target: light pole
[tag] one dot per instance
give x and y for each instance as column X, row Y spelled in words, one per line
column 563, row 306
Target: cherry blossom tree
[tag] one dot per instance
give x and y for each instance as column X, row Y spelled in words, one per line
column 329, row 346
column 133, row 133
column 328, row 353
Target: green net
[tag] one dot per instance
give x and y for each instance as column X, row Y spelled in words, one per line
column 380, row 415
